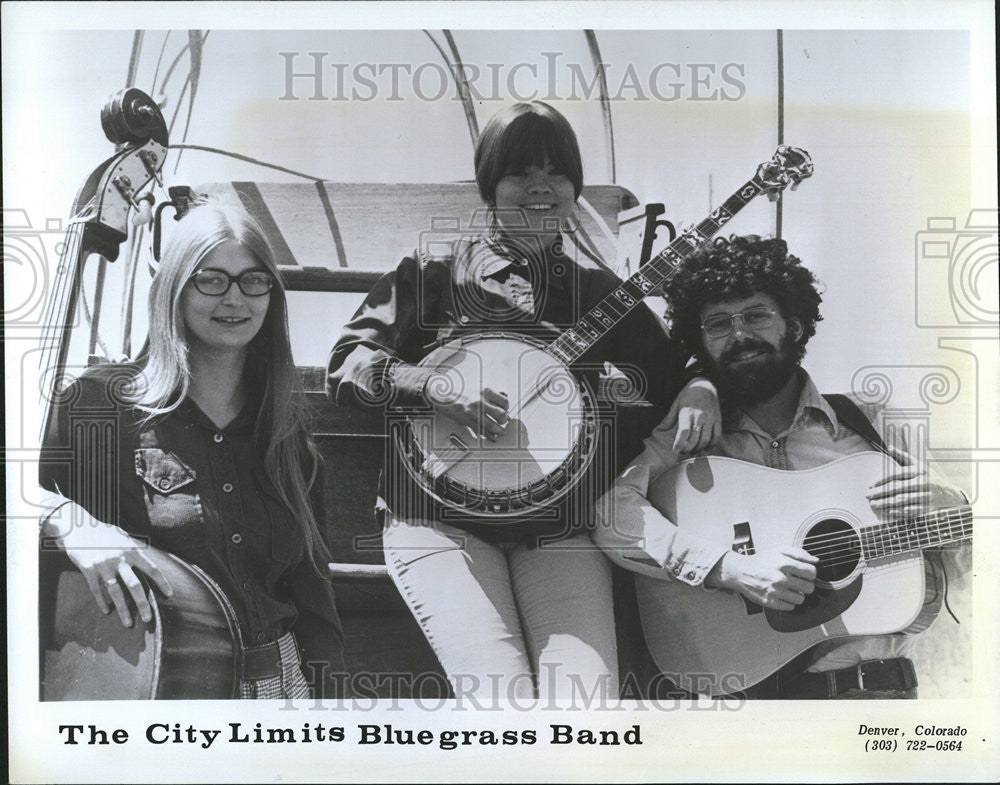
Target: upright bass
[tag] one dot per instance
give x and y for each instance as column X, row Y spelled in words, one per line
column 191, row 647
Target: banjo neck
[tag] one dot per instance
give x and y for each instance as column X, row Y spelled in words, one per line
column 788, row 166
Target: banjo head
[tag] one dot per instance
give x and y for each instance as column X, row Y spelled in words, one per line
column 545, row 447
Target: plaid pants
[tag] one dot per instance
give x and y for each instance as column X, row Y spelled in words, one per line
column 290, row 684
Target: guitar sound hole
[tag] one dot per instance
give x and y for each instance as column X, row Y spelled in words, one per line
column 837, row 546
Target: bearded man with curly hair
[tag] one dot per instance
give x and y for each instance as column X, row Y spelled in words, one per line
column 747, row 308
column 746, row 268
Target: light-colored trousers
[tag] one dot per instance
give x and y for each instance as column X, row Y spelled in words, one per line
column 506, row 621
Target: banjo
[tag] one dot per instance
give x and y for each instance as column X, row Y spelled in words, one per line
column 551, row 437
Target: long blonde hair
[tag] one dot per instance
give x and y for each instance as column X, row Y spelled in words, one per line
column 281, row 428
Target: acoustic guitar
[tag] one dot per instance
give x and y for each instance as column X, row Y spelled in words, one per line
column 870, row 575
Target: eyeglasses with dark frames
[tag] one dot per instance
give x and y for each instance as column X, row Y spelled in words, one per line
column 215, row 283
column 721, row 325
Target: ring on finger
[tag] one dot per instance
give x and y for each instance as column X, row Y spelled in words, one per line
column 110, row 582
column 696, row 428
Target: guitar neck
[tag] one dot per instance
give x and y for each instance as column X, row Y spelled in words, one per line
column 925, row 531
column 627, row 296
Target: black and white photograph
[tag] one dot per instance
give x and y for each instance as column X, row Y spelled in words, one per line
column 501, row 392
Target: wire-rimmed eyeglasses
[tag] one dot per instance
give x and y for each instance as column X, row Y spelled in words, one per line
column 721, row 325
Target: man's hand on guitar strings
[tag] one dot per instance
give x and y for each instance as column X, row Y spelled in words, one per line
column 909, row 490
column 697, row 415
column 777, row 578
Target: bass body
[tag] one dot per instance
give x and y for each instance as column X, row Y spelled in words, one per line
column 870, row 577
column 189, row 650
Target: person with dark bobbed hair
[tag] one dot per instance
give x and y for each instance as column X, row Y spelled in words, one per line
column 508, row 615
column 522, row 136
column 747, row 308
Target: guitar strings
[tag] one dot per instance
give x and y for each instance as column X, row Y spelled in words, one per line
column 832, row 546
column 842, row 548
column 962, row 517
column 890, row 533
column 838, row 556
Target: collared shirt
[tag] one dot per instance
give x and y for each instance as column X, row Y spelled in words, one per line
column 637, row 536
column 425, row 301
column 199, row 492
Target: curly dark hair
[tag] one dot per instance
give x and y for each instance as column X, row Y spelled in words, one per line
column 734, row 269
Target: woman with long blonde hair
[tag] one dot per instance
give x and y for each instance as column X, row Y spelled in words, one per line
column 210, row 459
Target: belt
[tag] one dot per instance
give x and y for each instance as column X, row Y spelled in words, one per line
column 871, row 675
column 260, row 662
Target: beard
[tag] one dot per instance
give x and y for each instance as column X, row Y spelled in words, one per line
column 759, row 380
